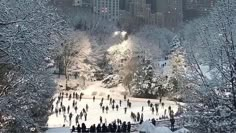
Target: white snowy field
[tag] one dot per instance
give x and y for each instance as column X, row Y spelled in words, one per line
column 94, row 111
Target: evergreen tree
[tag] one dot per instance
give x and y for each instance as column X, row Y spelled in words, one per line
column 144, row 83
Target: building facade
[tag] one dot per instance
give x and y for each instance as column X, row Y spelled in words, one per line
column 107, row 9
column 82, row 3
column 197, row 8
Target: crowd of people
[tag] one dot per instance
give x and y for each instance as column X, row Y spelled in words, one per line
column 114, row 105
column 114, row 127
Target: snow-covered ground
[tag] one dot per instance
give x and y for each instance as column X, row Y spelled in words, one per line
column 94, row 111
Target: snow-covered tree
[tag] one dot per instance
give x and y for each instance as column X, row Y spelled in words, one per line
column 29, row 31
column 210, row 42
column 144, row 81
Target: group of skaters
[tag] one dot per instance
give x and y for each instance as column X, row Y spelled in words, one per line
column 114, row 105
column 61, row 109
column 115, row 127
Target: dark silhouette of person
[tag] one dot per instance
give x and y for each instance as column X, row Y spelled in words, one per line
column 93, row 98
column 66, row 95
column 138, row 116
column 56, row 111
column 77, row 119
column 69, row 97
column 59, row 110
column 100, row 119
column 102, row 100
column 99, row 130
column 124, row 127
column 142, row 108
column 85, row 116
column 68, row 109
column 124, row 97
column 78, row 128
column 117, row 107
column 110, row 100
column 83, row 128
column 113, row 101
column 110, row 128
column 100, row 104
column 73, row 129
column 103, row 109
column 76, row 96
column 87, row 107
column 148, row 102
column 114, row 126
column 113, row 107
column 93, row 129
column 153, row 110
column 107, row 108
column 81, row 115
column 153, row 121
column 118, row 129
column 104, row 128
column 108, row 97
column 70, row 116
column 125, row 109
column 172, row 122
column 76, row 108
column 128, row 127
column 120, row 103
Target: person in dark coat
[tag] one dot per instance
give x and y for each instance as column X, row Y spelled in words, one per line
column 68, row 109
column 153, row 110
column 114, row 126
column 120, row 103
column 118, row 129
column 154, row 122
column 110, row 128
column 124, row 97
column 76, row 108
column 93, row 98
column 113, row 107
column 92, row 129
column 128, row 127
column 125, row 109
column 104, row 128
column 138, row 117
column 70, row 117
column 107, row 108
column 87, row 107
column 78, row 128
column 73, row 129
column 108, row 97
column 103, row 109
column 99, row 130
column 100, row 104
column 172, row 122
column 142, row 108
column 100, row 119
column 77, row 119
column 117, row 107
column 148, row 102
column 83, row 128
column 85, row 116
column 56, row 111
column 124, row 127
column 69, row 97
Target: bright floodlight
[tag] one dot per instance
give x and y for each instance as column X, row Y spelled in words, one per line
column 116, row 33
column 123, row 33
